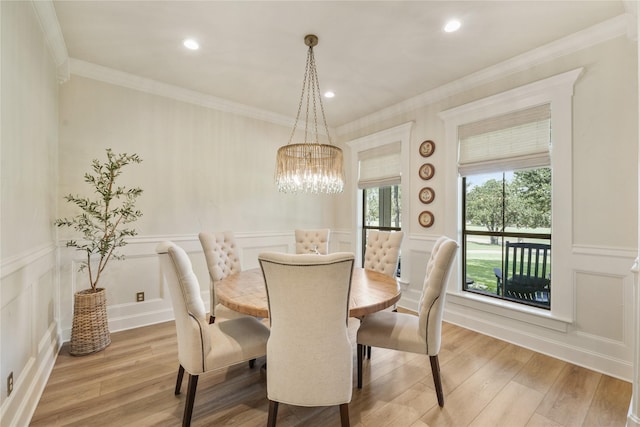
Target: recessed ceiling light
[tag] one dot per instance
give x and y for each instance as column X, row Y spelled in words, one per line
column 191, row 44
column 452, row 25
column 329, row 94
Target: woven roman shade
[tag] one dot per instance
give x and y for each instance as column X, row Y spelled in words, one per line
column 380, row 166
column 517, row 140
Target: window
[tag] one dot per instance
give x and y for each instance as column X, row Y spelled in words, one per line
column 379, row 178
column 506, row 186
column 381, row 211
column 557, row 92
column 506, row 244
column 379, row 164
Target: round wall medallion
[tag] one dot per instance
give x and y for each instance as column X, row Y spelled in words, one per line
column 427, row 195
column 426, row 171
column 427, row 148
column 425, row 219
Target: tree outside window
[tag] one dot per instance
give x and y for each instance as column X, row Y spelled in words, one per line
column 503, row 207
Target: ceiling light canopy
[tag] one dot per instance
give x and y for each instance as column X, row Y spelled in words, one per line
column 310, row 166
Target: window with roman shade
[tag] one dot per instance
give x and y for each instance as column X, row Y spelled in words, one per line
column 517, row 140
column 380, row 166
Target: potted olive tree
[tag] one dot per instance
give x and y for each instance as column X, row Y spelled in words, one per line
column 103, row 224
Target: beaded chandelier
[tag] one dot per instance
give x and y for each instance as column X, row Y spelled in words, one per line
column 309, row 166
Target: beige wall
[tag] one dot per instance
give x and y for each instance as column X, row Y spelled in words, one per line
column 202, row 169
column 28, row 166
column 29, row 132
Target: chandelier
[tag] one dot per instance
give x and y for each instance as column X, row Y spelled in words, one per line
column 310, row 167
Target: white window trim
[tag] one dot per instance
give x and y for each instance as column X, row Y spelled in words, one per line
column 402, row 134
column 558, row 91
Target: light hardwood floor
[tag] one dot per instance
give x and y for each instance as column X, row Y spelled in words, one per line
column 487, row 382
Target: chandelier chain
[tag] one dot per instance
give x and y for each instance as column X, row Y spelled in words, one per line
column 324, row 118
column 310, row 86
column 310, row 166
column 304, row 82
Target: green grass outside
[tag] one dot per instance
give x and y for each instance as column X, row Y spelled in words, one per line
column 481, row 260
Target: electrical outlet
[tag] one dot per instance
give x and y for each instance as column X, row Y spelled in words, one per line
column 9, row 384
column 140, row 296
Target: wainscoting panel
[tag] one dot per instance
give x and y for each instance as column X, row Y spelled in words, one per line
column 600, row 309
column 597, row 336
column 29, row 328
column 140, row 272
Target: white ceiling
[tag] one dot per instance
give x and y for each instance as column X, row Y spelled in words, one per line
column 373, row 54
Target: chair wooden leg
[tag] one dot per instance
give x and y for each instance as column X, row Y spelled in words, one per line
column 369, row 352
column 359, row 357
column 344, row 415
column 179, row 380
column 437, row 381
column 252, row 363
column 273, row 413
column 191, row 397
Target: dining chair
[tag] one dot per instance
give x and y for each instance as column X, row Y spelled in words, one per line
column 204, row 347
column 223, row 259
column 382, row 254
column 415, row 334
column 383, row 251
column 312, row 241
column 310, row 356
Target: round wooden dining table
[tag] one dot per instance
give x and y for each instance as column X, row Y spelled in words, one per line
column 245, row 292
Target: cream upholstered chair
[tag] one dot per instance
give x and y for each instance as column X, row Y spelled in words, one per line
column 382, row 254
column 312, row 241
column 308, row 308
column 383, row 251
column 222, row 258
column 204, row 347
column 221, row 253
column 415, row 334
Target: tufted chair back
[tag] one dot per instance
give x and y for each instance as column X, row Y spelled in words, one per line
column 188, row 308
column 383, row 251
column 431, row 306
column 204, row 347
column 310, row 241
column 310, row 356
column 407, row 332
column 221, row 253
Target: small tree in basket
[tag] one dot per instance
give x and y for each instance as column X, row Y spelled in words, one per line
column 103, row 219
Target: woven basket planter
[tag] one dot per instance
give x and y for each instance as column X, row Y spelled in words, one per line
column 90, row 331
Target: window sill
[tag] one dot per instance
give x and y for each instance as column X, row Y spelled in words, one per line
column 532, row 315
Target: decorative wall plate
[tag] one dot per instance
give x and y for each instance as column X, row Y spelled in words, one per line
column 427, row 148
column 425, row 219
column 427, row 195
column 426, row 171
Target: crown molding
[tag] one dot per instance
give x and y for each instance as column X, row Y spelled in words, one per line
column 142, row 84
column 66, row 66
column 46, row 14
column 599, row 33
